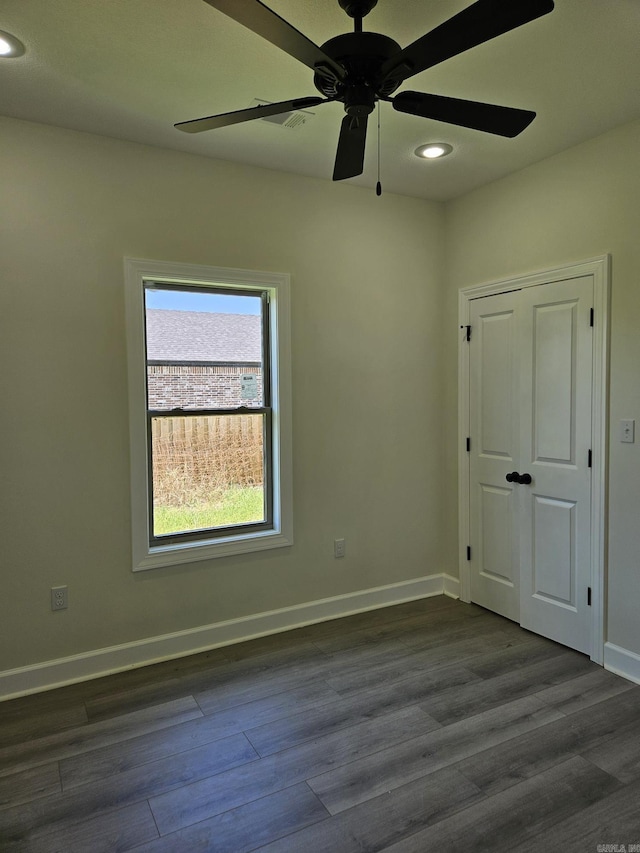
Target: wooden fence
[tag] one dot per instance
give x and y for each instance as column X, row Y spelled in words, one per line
column 195, row 458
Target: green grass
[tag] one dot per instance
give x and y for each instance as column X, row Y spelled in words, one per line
column 237, row 505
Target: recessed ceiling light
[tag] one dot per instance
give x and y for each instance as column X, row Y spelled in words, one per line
column 434, row 150
column 10, row 46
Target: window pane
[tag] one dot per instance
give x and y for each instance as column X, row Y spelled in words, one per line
column 204, row 349
column 208, row 472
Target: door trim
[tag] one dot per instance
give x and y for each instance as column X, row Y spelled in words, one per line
column 599, row 269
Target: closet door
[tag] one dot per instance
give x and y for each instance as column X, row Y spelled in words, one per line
column 555, row 448
column 495, row 452
column 530, row 423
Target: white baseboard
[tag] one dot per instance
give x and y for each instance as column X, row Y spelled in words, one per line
column 622, row 662
column 100, row 662
column 451, row 586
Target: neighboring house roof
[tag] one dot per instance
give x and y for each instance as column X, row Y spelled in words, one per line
column 188, row 336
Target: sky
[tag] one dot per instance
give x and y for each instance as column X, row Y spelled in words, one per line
column 183, row 300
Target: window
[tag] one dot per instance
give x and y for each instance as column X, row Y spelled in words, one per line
column 209, row 388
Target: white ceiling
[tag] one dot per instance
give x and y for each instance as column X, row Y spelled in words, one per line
column 131, row 68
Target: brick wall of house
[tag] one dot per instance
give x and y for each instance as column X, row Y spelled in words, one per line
column 172, row 386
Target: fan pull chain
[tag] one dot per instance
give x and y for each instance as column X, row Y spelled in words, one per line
column 378, row 185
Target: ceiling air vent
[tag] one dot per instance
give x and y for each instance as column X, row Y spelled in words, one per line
column 291, row 119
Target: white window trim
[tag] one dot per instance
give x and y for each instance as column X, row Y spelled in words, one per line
column 137, row 272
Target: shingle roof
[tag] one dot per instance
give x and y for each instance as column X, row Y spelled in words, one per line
column 187, row 336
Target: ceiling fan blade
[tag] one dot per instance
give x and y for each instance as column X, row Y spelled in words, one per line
column 350, row 153
column 264, row 22
column 197, row 125
column 503, row 121
column 478, row 23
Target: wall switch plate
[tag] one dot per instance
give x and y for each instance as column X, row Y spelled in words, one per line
column 628, row 431
column 59, row 597
column 339, row 548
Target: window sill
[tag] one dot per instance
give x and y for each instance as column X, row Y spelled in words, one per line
column 228, row 546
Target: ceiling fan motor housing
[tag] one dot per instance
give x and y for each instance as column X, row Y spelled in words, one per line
column 362, row 56
column 357, row 8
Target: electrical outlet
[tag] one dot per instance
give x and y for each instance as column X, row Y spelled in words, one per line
column 59, row 598
column 339, row 548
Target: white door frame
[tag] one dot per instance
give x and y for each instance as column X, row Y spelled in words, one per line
column 599, row 269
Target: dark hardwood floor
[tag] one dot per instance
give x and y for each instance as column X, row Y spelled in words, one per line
column 430, row 726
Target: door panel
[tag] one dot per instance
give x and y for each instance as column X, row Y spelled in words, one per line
column 553, row 371
column 554, row 544
column 495, row 530
column 496, row 427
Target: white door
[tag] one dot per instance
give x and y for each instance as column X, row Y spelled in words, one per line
column 530, row 499
column 495, row 452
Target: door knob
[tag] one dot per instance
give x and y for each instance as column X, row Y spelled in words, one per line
column 514, row 477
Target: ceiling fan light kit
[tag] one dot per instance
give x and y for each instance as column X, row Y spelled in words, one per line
column 359, row 69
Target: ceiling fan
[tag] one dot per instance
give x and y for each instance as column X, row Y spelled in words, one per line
column 360, row 68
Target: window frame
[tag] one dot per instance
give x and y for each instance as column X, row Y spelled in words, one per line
column 148, row 553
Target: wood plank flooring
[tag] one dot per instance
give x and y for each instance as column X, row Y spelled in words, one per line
column 433, row 725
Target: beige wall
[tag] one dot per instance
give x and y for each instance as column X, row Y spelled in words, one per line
column 367, row 383
column 374, row 369
column 574, row 206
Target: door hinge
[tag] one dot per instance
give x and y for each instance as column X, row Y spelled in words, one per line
column 590, row 459
column 468, row 444
column 468, row 552
column 591, row 317
column 589, row 596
